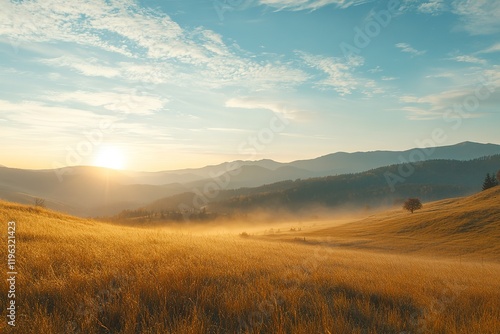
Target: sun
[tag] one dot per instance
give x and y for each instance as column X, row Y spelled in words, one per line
column 110, row 157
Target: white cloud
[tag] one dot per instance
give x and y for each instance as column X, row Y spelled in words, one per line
column 143, row 133
column 54, row 20
column 135, row 71
column 420, row 114
column 123, row 102
column 88, row 67
column 155, row 73
column 296, row 5
column 493, row 75
column 213, row 42
column 388, row 78
column 472, row 101
column 228, row 130
column 446, row 75
column 298, row 135
column 405, row 47
column 479, row 17
column 247, row 73
column 339, row 73
column 255, row 103
column 371, row 88
column 408, row 99
column 125, row 29
column 47, row 118
column 469, row 59
column 434, row 7
column 375, row 70
column 491, row 49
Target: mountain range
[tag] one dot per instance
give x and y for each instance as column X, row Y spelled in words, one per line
column 96, row 191
column 381, row 187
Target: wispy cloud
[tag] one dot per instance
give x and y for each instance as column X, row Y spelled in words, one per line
column 296, row 5
column 89, row 67
column 35, row 114
column 36, row 21
column 123, row 28
column 340, row 74
column 122, row 102
column 442, row 75
column 433, row 7
column 248, row 73
column 375, row 70
column 420, row 113
column 298, row 135
column 277, row 107
column 408, row 99
column 472, row 101
column 479, row 17
column 233, row 130
column 405, row 47
column 469, row 59
column 494, row 48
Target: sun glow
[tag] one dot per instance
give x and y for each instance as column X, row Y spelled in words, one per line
column 110, row 157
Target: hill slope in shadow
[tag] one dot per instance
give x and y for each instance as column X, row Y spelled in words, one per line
column 465, row 227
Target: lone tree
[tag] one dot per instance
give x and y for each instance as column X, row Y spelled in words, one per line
column 489, row 181
column 40, row 202
column 412, row 204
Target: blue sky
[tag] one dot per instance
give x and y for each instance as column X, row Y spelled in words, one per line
column 163, row 85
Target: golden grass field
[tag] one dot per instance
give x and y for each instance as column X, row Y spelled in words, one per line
column 462, row 228
column 434, row 271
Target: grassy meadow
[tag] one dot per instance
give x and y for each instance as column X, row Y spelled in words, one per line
column 84, row 276
column 466, row 228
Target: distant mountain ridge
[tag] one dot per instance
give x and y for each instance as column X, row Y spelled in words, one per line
column 91, row 191
column 343, row 162
column 429, row 180
column 332, row 164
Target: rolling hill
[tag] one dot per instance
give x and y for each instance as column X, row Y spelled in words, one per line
column 467, row 227
column 84, row 191
column 429, row 180
column 84, row 276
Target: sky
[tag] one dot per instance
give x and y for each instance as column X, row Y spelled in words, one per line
column 161, row 85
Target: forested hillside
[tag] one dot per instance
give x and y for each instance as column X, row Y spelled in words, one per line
column 386, row 186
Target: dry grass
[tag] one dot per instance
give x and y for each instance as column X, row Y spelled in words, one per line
column 79, row 276
column 463, row 228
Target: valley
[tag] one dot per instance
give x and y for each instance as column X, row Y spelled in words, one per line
column 432, row 271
